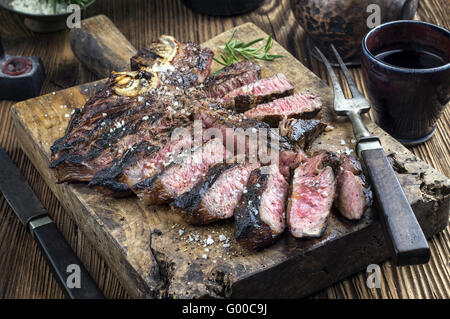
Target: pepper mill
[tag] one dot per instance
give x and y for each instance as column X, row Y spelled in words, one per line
column 21, row 77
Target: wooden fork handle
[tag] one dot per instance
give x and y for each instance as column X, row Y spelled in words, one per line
column 407, row 241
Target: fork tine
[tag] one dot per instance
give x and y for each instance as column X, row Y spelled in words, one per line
column 338, row 93
column 348, row 77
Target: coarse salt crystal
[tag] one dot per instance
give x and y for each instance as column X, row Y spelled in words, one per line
column 209, row 240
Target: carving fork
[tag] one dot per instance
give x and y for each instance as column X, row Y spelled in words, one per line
column 405, row 237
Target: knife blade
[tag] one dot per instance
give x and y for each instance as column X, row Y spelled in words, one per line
column 68, row 269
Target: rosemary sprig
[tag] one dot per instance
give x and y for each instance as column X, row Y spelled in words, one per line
column 234, row 49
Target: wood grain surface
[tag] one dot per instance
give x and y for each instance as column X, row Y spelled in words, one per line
column 23, row 270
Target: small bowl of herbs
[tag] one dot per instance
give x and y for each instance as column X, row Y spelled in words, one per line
column 45, row 15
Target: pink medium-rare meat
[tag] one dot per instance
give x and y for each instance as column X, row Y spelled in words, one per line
column 178, row 178
column 260, row 215
column 302, row 105
column 216, row 195
column 241, row 135
column 310, row 203
column 354, row 194
column 261, row 91
column 231, row 78
column 313, row 190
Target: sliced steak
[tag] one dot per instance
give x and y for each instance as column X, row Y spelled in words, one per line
column 100, row 152
column 231, row 78
column 262, row 91
column 108, row 181
column 354, row 194
column 216, row 195
column 104, row 110
column 178, row 178
column 260, row 214
column 142, row 161
column 302, row 105
column 311, row 198
column 241, row 136
column 301, row 132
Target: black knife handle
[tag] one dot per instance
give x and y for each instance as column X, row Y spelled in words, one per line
column 407, row 241
column 68, row 269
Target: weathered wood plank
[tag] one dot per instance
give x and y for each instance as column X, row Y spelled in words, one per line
column 167, row 265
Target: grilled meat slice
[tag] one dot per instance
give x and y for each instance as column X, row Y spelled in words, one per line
column 231, row 78
column 260, row 214
column 183, row 64
column 246, row 138
column 301, row 132
column 261, row 91
column 178, row 178
column 311, row 198
column 302, row 105
column 216, row 195
column 142, row 161
column 105, row 108
column 108, row 182
column 354, row 194
column 100, row 152
column 289, row 159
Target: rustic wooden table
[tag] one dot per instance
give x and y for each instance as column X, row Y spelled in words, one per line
column 23, row 270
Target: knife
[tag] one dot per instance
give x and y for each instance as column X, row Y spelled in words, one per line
column 67, row 268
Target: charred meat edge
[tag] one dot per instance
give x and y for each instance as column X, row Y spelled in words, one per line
column 250, row 230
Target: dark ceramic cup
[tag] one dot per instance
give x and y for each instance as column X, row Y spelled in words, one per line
column 407, row 102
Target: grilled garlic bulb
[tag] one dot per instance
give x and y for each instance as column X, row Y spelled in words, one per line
column 129, row 84
column 166, row 49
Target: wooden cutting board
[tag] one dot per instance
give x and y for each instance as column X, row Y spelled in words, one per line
column 155, row 254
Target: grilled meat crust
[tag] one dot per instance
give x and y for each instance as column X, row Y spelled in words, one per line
column 231, row 78
column 110, row 145
column 354, row 194
column 255, row 227
column 108, row 181
column 262, row 91
column 302, row 132
column 178, row 178
column 303, row 105
column 189, row 205
column 216, row 196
